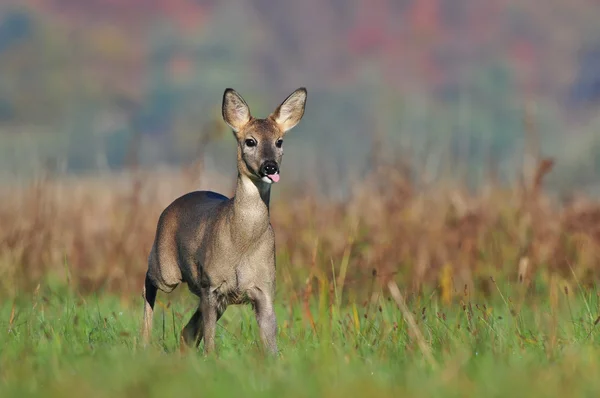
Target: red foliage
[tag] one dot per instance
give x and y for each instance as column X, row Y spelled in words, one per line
column 424, row 17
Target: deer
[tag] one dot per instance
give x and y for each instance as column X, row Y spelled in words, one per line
column 224, row 248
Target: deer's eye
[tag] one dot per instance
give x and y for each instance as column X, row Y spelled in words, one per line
column 279, row 143
column 250, row 142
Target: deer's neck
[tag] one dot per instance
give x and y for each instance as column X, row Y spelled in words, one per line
column 250, row 210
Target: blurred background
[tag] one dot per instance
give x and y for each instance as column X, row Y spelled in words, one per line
column 429, row 130
column 99, row 85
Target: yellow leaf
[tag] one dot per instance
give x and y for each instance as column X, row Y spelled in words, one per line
column 446, row 284
column 356, row 318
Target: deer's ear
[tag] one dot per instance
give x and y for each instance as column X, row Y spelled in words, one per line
column 236, row 112
column 289, row 113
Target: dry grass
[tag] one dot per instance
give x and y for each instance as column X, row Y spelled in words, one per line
column 437, row 251
column 97, row 231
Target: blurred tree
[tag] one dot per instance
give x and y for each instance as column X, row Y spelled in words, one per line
column 15, row 25
column 33, row 73
column 586, row 86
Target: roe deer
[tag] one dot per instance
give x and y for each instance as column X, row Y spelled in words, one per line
column 224, row 249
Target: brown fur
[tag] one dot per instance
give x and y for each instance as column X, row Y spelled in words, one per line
column 224, row 249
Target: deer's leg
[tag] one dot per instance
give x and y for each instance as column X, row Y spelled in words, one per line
column 149, row 295
column 162, row 274
column 210, row 315
column 267, row 322
column 193, row 332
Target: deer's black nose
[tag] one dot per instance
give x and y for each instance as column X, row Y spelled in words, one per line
column 269, row 167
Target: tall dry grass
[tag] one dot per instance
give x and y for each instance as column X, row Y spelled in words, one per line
column 95, row 232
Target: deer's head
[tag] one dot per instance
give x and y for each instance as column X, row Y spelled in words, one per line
column 260, row 141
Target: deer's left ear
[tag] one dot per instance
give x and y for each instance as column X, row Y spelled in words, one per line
column 236, row 112
column 289, row 113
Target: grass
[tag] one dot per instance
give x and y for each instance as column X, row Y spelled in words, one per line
column 497, row 292
column 55, row 342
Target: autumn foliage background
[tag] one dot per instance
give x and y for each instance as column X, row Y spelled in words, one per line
column 445, row 144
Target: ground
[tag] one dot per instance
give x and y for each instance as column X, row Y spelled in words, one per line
column 56, row 343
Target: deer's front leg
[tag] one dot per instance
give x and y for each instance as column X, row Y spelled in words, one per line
column 267, row 322
column 209, row 321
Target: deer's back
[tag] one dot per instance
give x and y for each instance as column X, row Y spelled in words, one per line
column 189, row 216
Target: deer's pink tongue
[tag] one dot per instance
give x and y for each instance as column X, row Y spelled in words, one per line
column 274, row 177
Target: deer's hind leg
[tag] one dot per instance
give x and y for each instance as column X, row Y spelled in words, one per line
column 193, row 332
column 163, row 275
column 149, row 295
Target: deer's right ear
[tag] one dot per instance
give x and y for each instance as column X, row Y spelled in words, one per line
column 289, row 113
column 236, row 112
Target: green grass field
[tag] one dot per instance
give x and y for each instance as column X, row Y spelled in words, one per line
column 55, row 343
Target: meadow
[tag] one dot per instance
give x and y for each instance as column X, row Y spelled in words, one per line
column 399, row 289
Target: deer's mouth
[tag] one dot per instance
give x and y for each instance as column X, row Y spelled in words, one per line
column 269, row 171
column 271, row 178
